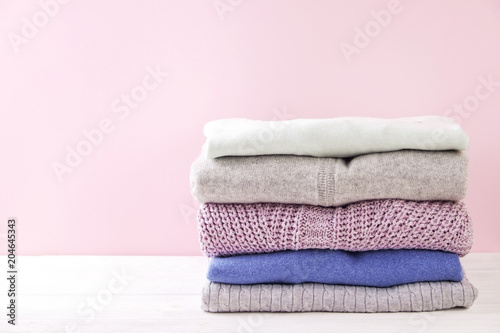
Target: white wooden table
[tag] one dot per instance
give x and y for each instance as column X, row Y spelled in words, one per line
column 162, row 294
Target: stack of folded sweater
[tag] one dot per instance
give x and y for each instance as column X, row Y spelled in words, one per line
column 340, row 215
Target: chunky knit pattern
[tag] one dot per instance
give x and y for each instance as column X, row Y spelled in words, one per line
column 307, row 297
column 229, row 229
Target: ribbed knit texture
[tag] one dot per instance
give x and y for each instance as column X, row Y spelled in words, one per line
column 307, row 297
column 229, row 229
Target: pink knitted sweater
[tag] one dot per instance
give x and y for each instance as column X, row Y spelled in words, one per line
column 229, row 229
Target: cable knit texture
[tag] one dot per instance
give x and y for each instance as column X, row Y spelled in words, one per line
column 229, row 229
column 308, row 297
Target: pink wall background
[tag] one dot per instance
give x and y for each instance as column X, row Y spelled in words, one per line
column 131, row 195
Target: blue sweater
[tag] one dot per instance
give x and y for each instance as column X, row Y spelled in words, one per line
column 381, row 268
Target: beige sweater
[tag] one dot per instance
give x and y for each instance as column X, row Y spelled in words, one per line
column 405, row 174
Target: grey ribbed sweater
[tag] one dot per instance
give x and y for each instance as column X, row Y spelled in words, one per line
column 405, row 174
column 308, row 297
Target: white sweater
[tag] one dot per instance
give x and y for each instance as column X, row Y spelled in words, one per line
column 337, row 137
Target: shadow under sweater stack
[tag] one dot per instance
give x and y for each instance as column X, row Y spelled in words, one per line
column 337, row 215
